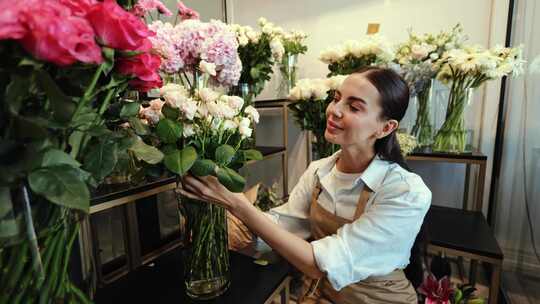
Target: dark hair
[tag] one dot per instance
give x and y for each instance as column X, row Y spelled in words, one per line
column 394, row 93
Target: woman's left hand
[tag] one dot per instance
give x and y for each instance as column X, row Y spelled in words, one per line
column 209, row 189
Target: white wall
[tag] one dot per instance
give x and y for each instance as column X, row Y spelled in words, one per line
column 332, row 22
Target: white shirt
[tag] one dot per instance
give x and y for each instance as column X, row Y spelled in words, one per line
column 380, row 240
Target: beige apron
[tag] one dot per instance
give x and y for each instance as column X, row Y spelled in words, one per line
column 391, row 288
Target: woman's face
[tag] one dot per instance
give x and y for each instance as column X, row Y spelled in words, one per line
column 353, row 117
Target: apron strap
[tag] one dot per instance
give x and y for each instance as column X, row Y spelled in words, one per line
column 362, row 202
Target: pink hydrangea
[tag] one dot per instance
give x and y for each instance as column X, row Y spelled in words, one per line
column 183, row 46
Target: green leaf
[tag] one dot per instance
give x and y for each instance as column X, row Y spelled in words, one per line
column 146, row 153
column 458, row 295
column 5, row 202
column 170, row 112
column 61, row 185
column 130, row 109
column 203, row 167
column 169, row 131
column 63, row 107
column 98, row 131
column 74, row 141
column 54, row 157
column 230, row 179
column 101, row 159
column 125, row 143
column 180, row 161
column 168, row 149
column 16, row 91
column 224, row 154
column 476, row 301
column 254, row 72
column 138, row 126
column 252, row 154
column 28, row 128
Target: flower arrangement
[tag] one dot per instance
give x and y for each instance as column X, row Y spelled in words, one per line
column 418, row 59
column 463, row 70
column 202, row 133
column 285, row 46
column 257, row 59
column 350, row 56
column 310, row 98
column 190, row 45
column 435, row 291
column 63, row 65
column 407, row 143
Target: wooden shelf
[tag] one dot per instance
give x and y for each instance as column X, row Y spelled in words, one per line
column 109, row 196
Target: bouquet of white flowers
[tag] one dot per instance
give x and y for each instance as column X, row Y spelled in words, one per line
column 463, row 70
column 202, row 133
column 418, row 58
column 310, row 98
column 254, row 49
column 352, row 55
column 286, row 46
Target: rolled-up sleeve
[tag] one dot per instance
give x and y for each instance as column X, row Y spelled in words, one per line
column 381, row 239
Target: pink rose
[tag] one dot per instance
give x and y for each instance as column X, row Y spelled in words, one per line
column 79, row 7
column 186, row 12
column 145, row 6
column 144, row 67
column 10, row 25
column 55, row 35
column 118, row 28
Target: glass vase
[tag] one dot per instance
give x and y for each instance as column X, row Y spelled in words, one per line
column 452, row 136
column 36, row 239
column 206, row 262
column 288, row 69
column 423, row 128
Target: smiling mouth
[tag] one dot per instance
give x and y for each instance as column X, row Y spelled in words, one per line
column 332, row 127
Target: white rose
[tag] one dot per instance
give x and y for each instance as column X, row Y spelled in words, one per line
column 229, row 125
column 243, row 127
column 334, row 83
column 208, row 95
column 262, row 21
column 175, row 98
column 202, row 110
column 207, row 67
column 419, row 52
column 189, row 108
column 295, row 93
column 252, row 35
column 243, row 40
column 235, row 102
column 252, row 113
column 188, row 131
column 268, row 29
column 171, row 87
column 277, row 49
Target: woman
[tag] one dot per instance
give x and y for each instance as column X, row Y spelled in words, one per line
column 361, row 206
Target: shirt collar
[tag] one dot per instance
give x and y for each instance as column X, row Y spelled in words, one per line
column 372, row 177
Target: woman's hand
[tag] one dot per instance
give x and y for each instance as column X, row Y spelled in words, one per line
column 209, row 189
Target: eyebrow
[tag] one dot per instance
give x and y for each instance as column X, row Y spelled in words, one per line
column 358, row 99
column 353, row 98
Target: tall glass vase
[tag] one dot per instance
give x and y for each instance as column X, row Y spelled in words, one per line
column 206, row 267
column 288, row 73
column 423, row 129
column 452, row 136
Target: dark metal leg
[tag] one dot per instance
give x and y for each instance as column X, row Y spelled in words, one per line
column 472, row 272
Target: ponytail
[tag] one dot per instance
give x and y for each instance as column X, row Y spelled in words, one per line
column 388, row 149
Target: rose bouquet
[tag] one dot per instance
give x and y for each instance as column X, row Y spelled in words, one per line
column 310, row 98
column 434, row 291
column 63, row 65
column 353, row 55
